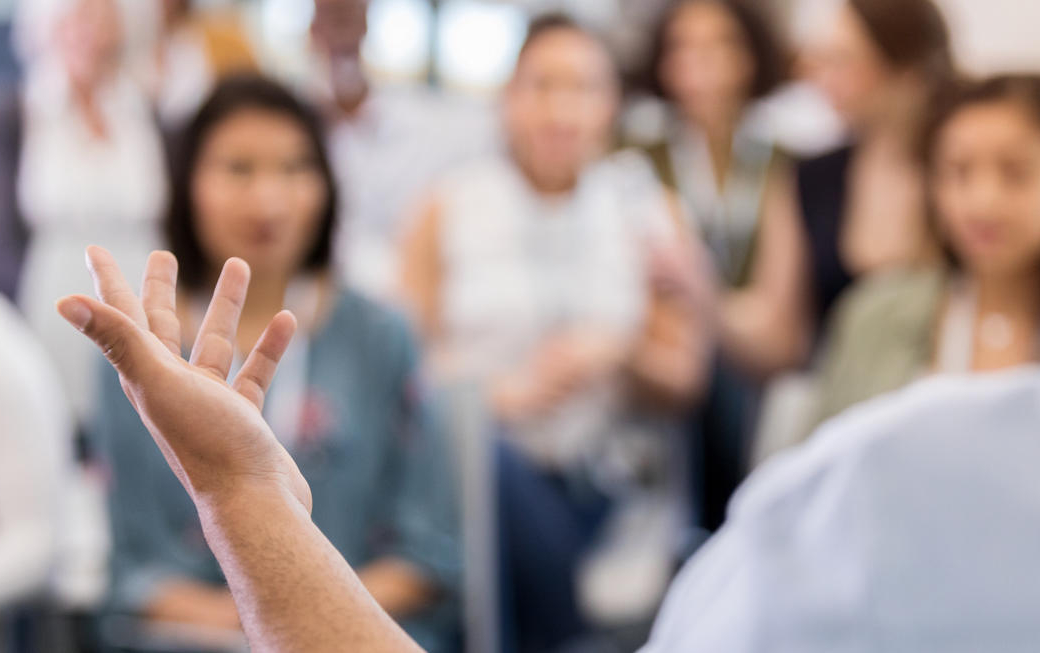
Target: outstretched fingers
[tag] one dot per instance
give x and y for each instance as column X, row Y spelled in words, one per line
column 256, row 374
column 159, row 298
column 111, row 286
column 214, row 347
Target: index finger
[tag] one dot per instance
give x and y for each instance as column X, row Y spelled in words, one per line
column 111, row 286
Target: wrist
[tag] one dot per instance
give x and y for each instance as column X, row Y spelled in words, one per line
column 218, row 502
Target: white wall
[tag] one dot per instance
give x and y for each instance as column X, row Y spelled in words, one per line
column 988, row 35
column 995, row 35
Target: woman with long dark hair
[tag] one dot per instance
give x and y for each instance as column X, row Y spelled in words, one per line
column 251, row 180
column 979, row 311
column 880, row 64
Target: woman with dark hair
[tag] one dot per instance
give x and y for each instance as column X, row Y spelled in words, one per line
column 529, row 273
column 251, row 180
column 863, row 204
column 980, row 311
column 712, row 59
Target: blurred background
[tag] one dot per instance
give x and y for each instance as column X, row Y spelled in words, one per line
column 567, row 271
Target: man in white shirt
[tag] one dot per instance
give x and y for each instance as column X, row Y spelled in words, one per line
column 387, row 143
column 909, row 525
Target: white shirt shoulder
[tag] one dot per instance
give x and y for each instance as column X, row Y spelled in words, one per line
column 908, row 524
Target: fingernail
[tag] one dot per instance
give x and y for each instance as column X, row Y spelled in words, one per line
column 76, row 312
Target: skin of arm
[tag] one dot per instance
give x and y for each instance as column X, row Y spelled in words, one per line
column 293, row 590
column 421, row 271
column 668, row 365
column 189, row 601
column 398, row 586
column 763, row 327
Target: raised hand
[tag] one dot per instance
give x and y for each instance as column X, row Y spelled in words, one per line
column 211, row 433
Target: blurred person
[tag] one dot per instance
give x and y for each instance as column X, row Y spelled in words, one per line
column 12, row 231
column 35, row 439
column 530, row 274
column 981, row 310
column 91, row 171
column 13, row 236
column 714, row 61
column 195, row 49
column 388, row 143
column 880, row 64
column 838, row 546
column 252, row 179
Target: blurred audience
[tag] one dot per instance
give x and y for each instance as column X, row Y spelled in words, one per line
column 388, row 144
column 251, row 179
column 91, row 172
column 602, row 301
column 981, row 310
column 880, row 64
column 530, row 273
column 195, row 49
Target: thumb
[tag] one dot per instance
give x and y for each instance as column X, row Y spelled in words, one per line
column 119, row 339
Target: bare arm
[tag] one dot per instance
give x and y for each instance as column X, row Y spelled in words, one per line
column 669, row 363
column 763, row 326
column 398, row 586
column 293, row 590
column 193, row 602
column 421, row 269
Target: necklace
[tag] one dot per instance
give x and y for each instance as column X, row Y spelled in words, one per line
column 996, row 332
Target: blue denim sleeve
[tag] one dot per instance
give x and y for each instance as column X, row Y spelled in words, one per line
column 423, row 507
column 140, row 560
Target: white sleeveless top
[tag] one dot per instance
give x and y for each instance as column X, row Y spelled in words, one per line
column 519, row 266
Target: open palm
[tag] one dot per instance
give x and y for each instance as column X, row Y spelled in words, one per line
column 211, row 432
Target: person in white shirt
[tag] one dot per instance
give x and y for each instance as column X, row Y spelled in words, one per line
column 910, row 524
column 388, row 143
column 34, row 450
column 92, row 170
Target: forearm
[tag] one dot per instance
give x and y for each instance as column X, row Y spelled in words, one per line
column 293, row 590
column 668, row 366
column 759, row 336
column 398, row 586
column 667, row 377
column 193, row 602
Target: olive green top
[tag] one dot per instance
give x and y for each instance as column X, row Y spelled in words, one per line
column 882, row 337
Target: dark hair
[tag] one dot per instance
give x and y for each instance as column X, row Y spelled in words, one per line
column 1023, row 90
column 955, row 97
column 772, row 60
column 232, row 95
column 557, row 21
column 909, row 33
